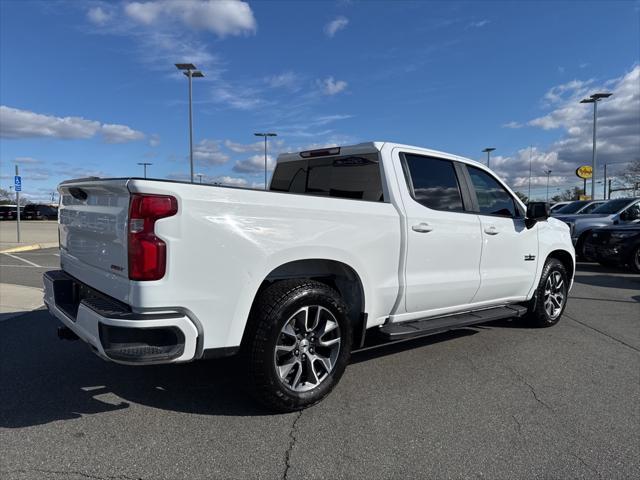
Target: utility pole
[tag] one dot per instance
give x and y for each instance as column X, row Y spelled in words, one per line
column 604, row 186
column 189, row 69
column 530, row 155
column 144, row 164
column 18, row 206
column 548, row 172
column 265, row 135
column 488, row 150
column 595, row 98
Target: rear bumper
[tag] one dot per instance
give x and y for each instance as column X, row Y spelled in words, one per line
column 113, row 331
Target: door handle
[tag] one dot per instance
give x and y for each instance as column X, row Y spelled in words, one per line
column 491, row 230
column 422, row 227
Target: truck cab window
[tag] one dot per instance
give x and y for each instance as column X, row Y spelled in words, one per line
column 493, row 199
column 433, row 182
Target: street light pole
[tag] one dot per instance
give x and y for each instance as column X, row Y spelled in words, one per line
column 144, row 164
column 189, row 69
column 265, row 135
column 488, row 150
column 530, row 155
column 548, row 172
column 199, row 175
column 595, row 98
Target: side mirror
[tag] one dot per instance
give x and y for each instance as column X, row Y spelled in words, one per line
column 537, row 212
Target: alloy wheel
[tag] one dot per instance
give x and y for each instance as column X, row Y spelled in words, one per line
column 554, row 294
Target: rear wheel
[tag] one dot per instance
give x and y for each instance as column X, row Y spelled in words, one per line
column 550, row 298
column 634, row 260
column 299, row 345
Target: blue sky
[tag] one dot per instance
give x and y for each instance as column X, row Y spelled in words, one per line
column 90, row 87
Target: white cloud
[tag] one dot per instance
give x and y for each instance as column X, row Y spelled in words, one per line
column 241, row 98
column 27, row 160
column 228, row 180
column 284, row 80
column 208, row 152
column 618, row 138
column 222, row 17
column 16, row 123
column 244, row 148
column 154, row 140
column 330, row 86
column 254, row 164
column 113, row 133
column 512, row 124
column 98, row 15
column 480, row 23
column 334, row 26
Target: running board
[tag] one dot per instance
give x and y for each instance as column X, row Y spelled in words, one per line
column 429, row 326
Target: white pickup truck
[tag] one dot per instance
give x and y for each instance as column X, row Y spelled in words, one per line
column 376, row 240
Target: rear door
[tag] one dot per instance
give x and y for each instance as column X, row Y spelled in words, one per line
column 443, row 239
column 509, row 248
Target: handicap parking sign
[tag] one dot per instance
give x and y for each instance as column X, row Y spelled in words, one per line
column 17, row 180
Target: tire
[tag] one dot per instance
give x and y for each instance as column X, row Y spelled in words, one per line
column 580, row 245
column 292, row 364
column 634, row 260
column 546, row 306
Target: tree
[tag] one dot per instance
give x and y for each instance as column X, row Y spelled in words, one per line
column 632, row 175
column 522, row 197
column 568, row 195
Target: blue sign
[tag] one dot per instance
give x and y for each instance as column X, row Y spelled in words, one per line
column 17, row 180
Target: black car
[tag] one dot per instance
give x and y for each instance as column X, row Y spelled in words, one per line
column 36, row 211
column 8, row 212
column 615, row 245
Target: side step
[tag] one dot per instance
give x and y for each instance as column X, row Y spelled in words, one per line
column 429, row 326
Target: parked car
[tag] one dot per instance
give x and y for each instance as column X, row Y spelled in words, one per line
column 377, row 240
column 37, row 211
column 615, row 245
column 613, row 212
column 578, row 207
column 7, row 212
column 558, row 205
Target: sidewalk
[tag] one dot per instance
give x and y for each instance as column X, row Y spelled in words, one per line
column 34, row 234
column 18, row 299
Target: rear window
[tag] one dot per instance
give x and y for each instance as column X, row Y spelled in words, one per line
column 612, row 206
column 356, row 177
column 572, row 207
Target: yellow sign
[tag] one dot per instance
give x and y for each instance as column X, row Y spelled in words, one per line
column 584, row 171
column 585, row 197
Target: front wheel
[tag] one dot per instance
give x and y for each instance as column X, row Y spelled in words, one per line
column 299, row 344
column 634, row 260
column 550, row 298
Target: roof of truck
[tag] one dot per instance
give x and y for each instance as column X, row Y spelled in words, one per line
column 370, row 147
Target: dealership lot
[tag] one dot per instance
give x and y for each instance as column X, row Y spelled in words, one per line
column 497, row 401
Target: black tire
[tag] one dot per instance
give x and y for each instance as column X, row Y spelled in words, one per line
column 634, row 260
column 272, row 310
column 580, row 246
column 538, row 315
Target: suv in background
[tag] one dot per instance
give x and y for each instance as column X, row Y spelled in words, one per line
column 7, row 212
column 578, row 207
column 616, row 245
column 614, row 212
column 36, row 211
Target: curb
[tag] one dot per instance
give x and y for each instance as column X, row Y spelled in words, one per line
column 27, row 248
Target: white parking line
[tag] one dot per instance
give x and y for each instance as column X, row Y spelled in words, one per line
column 23, row 259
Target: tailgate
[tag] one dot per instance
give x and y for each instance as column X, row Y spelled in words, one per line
column 93, row 229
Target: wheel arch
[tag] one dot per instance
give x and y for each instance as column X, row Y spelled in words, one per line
column 336, row 274
column 566, row 259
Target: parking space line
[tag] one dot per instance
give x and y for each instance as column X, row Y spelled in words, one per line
column 23, row 259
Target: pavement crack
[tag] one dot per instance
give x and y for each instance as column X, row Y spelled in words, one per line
column 580, row 459
column 531, row 388
column 602, row 333
column 292, row 442
column 518, row 424
column 66, row 473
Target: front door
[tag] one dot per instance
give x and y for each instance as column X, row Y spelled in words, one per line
column 509, row 248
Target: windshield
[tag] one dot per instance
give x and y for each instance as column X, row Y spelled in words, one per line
column 572, row 207
column 590, row 208
column 612, row 206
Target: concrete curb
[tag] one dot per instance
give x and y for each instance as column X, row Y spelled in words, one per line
column 18, row 300
column 27, row 248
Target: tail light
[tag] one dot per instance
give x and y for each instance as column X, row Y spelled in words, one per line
column 148, row 253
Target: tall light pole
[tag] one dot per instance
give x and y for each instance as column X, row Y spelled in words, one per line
column 488, row 151
column 144, row 164
column 265, row 135
column 530, row 155
column 189, row 69
column 595, row 98
column 199, row 175
column 548, row 172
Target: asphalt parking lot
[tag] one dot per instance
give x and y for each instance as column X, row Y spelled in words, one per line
column 499, row 401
